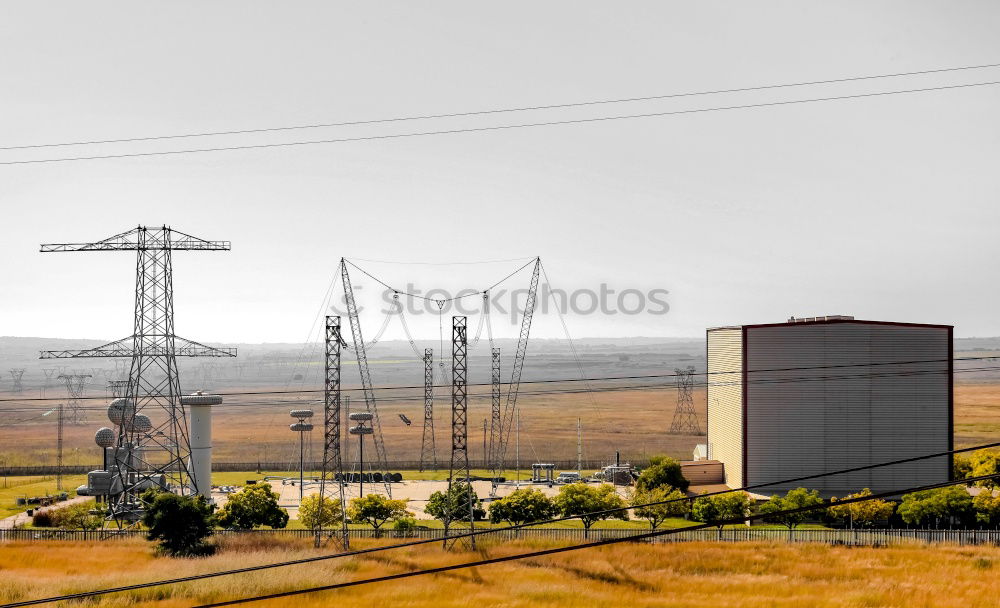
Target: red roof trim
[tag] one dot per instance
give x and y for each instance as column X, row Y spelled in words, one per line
column 851, row 321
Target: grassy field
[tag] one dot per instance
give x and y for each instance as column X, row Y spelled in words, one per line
column 259, row 432
column 681, row 575
column 13, row 487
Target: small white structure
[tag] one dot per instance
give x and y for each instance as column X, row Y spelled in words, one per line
column 200, row 406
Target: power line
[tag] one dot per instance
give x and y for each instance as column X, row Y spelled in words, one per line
column 497, row 127
column 638, row 377
column 497, row 110
column 480, row 532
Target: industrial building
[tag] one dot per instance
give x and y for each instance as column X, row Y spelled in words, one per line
column 820, row 394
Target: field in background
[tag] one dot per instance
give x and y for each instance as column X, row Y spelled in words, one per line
column 684, row 574
column 632, row 421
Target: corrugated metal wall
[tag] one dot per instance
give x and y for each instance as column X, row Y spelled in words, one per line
column 873, row 409
column 725, row 401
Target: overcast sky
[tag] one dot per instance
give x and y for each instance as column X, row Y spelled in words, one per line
column 884, row 208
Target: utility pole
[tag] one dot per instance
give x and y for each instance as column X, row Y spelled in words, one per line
column 579, row 446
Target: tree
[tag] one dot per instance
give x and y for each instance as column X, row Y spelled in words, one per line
column 453, row 505
column 722, row 508
column 987, row 507
column 928, row 507
column 985, row 462
column 863, row 514
column 662, row 471
column 961, row 466
column 375, row 510
column 180, row 523
column 586, row 501
column 254, row 506
column 522, row 506
column 673, row 504
column 796, row 498
column 315, row 512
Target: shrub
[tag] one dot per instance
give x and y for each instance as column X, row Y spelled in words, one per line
column 180, row 523
column 254, row 506
column 315, row 512
column 76, row 517
column 662, row 471
column 41, row 519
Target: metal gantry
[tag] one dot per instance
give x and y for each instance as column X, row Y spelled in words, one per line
column 333, row 461
column 459, row 468
column 515, row 374
column 428, row 450
column 152, row 448
column 685, row 420
column 366, row 377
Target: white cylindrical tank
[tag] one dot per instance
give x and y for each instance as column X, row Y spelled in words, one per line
column 200, row 409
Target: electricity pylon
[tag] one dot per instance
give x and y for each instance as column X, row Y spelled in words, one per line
column 685, row 420
column 152, row 448
column 428, row 452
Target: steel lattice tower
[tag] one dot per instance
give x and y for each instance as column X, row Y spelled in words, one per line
column 495, row 419
column 459, row 469
column 16, row 374
column 152, row 448
column 333, row 462
column 75, row 385
column 428, row 451
column 685, row 420
column 118, row 388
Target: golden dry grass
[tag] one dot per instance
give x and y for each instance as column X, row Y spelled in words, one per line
column 685, row 574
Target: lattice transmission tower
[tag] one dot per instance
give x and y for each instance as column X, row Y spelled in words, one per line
column 495, row 410
column 459, row 469
column 152, row 448
column 75, row 384
column 16, row 374
column 428, row 449
column 333, row 463
column 685, row 420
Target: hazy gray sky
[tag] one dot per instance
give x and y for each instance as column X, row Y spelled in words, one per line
column 884, row 208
